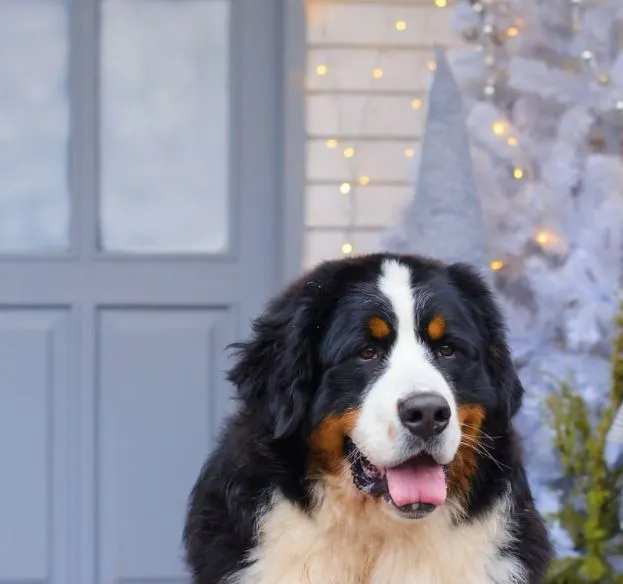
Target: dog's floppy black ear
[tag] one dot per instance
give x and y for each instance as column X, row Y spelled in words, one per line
column 498, row 358
column 275, row 370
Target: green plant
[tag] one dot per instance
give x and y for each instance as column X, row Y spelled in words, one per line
column 589, row 513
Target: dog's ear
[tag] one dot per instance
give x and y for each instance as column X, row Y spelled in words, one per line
column 275, row 370
column 498, row 358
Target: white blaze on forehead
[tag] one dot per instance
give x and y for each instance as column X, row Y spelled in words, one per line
column 409, row 369
column 410, row 359
column 395, row 284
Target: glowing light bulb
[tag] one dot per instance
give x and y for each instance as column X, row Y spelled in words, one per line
column 496, row 265
column 441, row 3
column 518, row 173
column 322, row 70
column 512, row 141
column 512, row 31
column 377, row 73
column 409, row 152
column 499, row 128
column 345, row 188
column 544, row 237
column 603, row 78
column 401, row 25
column 349, row 152
column 331, row 143
column 347, row 248
column 416, row 104
column 364, row 181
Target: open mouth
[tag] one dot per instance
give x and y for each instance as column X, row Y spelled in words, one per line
column 415, row 488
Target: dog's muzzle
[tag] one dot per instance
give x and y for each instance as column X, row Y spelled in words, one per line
column 414, row 488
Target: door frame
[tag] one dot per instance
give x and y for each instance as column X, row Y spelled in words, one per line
column 79, row 291
column 294, row 34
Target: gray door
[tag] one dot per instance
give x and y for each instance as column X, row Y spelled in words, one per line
column 144, row 164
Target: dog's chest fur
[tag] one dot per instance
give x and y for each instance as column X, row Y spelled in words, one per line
column 352, row 540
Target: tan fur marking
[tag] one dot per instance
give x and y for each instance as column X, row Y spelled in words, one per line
column 379, row 327
column 436, row 328
column 356, row 539
column 465, row 463
column 327, row 442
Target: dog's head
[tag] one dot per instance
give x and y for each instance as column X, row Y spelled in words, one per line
column 391, row 366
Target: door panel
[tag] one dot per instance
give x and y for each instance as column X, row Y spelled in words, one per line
column 34, row 441
column 158, row 370
column 164, row 91
column 34, row 125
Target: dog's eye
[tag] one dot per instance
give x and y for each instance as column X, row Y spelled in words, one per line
column 368, row 353
column 445, row 351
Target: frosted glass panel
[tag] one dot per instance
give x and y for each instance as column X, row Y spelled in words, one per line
column 164, row 128
column 34, row 126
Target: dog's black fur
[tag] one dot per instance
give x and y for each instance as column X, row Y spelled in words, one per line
column 297, row 369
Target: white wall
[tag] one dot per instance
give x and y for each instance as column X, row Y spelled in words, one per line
column 348, row 107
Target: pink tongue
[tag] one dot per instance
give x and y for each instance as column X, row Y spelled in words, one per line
column 417, row 482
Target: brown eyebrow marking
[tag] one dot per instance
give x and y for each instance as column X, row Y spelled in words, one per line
column 436, row 328
column 379, row 327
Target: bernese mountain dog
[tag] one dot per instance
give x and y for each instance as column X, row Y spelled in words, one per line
column 374, row 443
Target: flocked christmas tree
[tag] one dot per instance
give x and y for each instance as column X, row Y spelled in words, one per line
column 543, row 100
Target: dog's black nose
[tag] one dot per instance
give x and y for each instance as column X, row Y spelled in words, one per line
column 425, row 415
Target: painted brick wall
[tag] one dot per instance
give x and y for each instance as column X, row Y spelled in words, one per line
column 367, row 73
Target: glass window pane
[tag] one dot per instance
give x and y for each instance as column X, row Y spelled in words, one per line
column 34, row 126
column 164, row 127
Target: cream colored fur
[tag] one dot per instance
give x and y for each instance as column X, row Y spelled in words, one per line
column 355, row 539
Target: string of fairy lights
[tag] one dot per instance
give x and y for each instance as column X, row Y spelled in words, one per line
column 496, row 25
column 357, row 177
column 588, row 57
